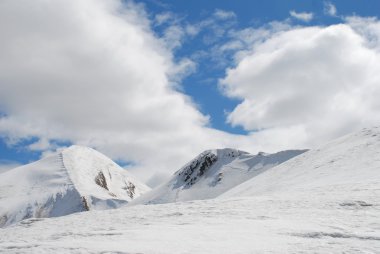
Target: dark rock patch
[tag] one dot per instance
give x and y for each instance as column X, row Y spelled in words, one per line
column 101, row 180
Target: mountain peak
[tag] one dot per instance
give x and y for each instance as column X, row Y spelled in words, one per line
column 76, row 179
column 213, row 172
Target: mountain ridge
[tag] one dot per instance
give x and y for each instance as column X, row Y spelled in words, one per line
column 213, row 172
column 313, row 169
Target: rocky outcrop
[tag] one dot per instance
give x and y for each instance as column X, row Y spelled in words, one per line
column 197, row 168
column 130, row 189
column 101, row 180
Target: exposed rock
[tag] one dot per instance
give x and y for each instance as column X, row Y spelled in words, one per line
column 101, row 180
column 197, row 168
column 130, row 188
column 3, row 220
column 85, row 204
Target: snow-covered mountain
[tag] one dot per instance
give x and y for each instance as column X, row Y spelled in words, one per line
column 212, row 173
column 324, row 201
column 74, row 180
column 350, row 162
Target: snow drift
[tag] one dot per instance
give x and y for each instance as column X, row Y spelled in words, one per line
column 212, row 173
column 74, row 180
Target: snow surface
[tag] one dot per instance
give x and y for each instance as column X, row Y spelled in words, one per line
column 65, row 183
column 324, row 201
column 350, row 160
column 344, row 220
column 212, row 173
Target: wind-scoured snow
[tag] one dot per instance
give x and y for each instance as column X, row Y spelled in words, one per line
column 212, row 173
column 74, row 180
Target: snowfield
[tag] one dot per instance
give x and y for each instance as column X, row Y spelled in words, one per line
column 323, row 201
column 344, row 220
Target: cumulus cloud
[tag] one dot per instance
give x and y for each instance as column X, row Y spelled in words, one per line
column 311, row 84
column 304, row 16
column 94, row 73
column 329, row 9
column 367, row 27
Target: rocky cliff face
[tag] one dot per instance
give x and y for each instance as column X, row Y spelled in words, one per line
column 189, row 175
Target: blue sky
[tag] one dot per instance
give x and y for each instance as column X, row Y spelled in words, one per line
column 202, row 85
column 193, row 33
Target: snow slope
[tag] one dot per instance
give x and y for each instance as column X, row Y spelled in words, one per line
column 348, row 161
column 74, row 180
column 323, row 201
column 212, row 173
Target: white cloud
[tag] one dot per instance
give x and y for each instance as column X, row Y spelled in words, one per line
column 163, row 18
column 239, row 41
column 93, row 73
column 223, row 14
column 311, row 84
column 173, row 36
column 304, row 16
column 40, row 145
column 367, row 27
column 329, row 9
column 173, row 31
column 213, row 28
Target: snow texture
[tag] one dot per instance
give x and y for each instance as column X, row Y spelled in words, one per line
column 323, row 201
column 212, row 173
column 75, row 180
column 334, row 220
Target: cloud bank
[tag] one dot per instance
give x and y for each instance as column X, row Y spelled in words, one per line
column 312, row 83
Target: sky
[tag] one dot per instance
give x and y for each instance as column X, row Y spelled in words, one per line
column 153, row 83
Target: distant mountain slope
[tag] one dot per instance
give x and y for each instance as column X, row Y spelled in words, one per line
column 353, row 160
column 75, row 180
column 212, row 173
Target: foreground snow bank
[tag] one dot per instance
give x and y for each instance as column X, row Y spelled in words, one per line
column 341, row 219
